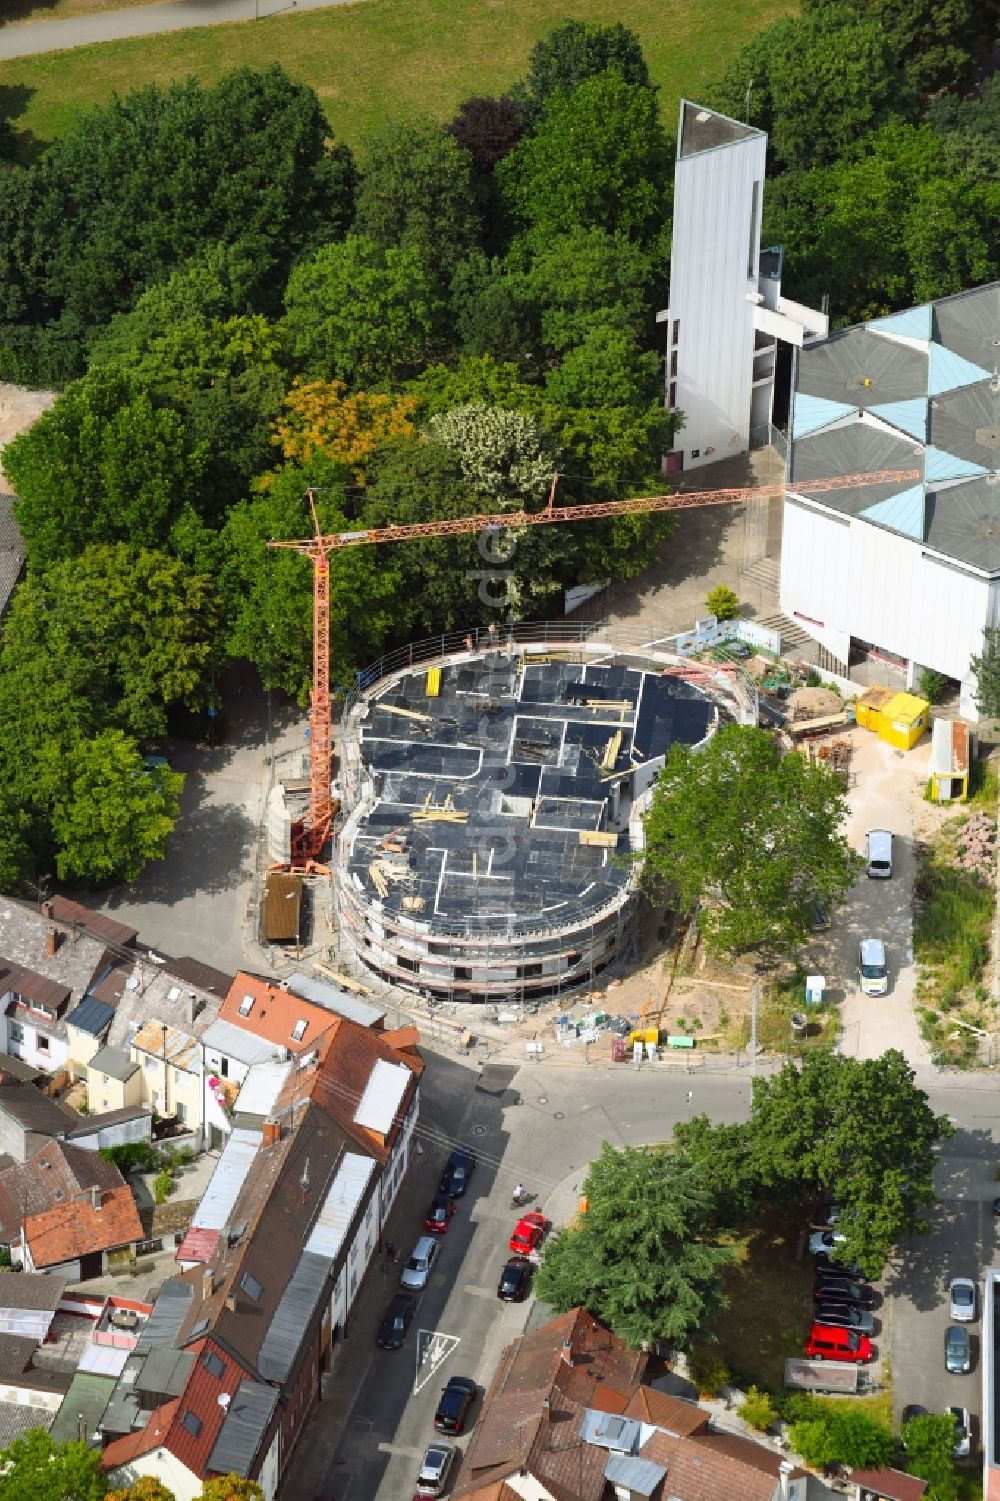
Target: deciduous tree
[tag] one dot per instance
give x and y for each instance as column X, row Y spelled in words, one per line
column 750, row 837
column 642, row 1258
column 930, row 1442
column 575, row 52
column 33, row 1468
column 320, row 417
column 231, row 1488
column 487, row 129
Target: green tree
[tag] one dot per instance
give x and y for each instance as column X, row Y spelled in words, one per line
column 818, row 85
column 111, row 814
column 361, row 314
column 231, row 1488
column 805, row 1126
column 930, row 1441
column 723, row 602
column 416, row 194
column 986, row 669
column 641, row 1259
column 607, row 369
column 720, row 1155
column 934, row 42
column 267, row 592
column 33, row 1468
column 842, row 1435
column 104, row 464
column 598, row 158
column 573, row 53
column 750, row 837
column 146, row 1488
column 125, row 633
column 506, row 458
column 586, row 279
column 758, row 1410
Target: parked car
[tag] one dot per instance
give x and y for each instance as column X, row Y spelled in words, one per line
column 878, row 854
column 825, row 1240
column 515, row 1280
column 963, row 1432
column 528, row 1233
column 825, row 1343
column 873, row 970
column 436, row 1468
column 396, row 1321
column 454, row 1403
column 829, row 1288
column 439, row 1216
column 827, row 1263
column 845, row 1316
column 457, row 1172
column 419, row 1263
column 957, row 1350
column 912, row 1410
column 829, row 1214
column 962, row 1297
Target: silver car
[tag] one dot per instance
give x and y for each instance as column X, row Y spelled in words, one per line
column 418, row 1264
column 435, row 1470
column 962, row 1300
column 963, row 1432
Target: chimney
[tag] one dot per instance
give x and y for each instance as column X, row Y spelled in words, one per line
column 271, row 1133
column 567, row 1351
column 46, row 909
column 784, row 1470
column 189, row 1008
column 52, row 937
column 207, row 1282
column 231, row 1304
column 95, row 1197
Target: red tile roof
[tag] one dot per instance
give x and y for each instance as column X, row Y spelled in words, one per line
column 74, row 1229
column 674, row 1414
column 198, row 1244
column 167, row 1428
column 890, row 1483
column 51, row 1176
column 275, row 1014
column 98, row 923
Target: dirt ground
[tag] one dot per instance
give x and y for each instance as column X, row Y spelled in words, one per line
column 19, row 408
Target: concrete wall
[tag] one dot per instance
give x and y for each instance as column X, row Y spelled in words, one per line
column 106, row 1093
column 81, row 1047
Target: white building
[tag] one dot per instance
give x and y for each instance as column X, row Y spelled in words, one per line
column 726, row 310
column 906, row 571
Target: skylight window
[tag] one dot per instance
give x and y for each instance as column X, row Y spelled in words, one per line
column 251, row 1287
column 213, row 1364
column 191, row 1422
column 299, row 1031
column 246, row 1005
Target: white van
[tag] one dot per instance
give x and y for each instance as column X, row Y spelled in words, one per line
column 873, row 970
column 879, row 854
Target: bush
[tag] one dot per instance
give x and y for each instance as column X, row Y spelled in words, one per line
column 163, row 1186
column 758, row 1410
column 932, row 685
column 723, row 602
column 707, row 1370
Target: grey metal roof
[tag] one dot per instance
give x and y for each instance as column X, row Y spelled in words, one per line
column 165, row 1371
column 703, row 129
column 244, row 1427
column 92, row 1016
column 83, row 1407
column 237, row 1042
column 862, row 369
column 967, row 423
column 323, row 994
column 963, row 522
column 226, row 1181
column 169, row 1312
column 970, row 324
column 609, row 1431
column 114, row 1062
column 640, row 1476
column 34, row 1110
column 855, row 449
column 283, row 1340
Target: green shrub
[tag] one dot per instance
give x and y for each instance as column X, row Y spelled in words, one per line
column 758, row 1410
column 932, row 685
column 723, row 602
column 163, row 1186
column 707, row 1370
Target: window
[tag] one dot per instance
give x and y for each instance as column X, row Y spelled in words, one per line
column 673, row 363
column 16, row 1032
column 410, row 964
column 676, row 333
column 181, row 1111
column 191, row 1423
column 299, row 1031
column 224, row 1068
column 42, row 1043
column 246, row 1005
column 251, row 1287
column 672, row 400
column 754, row 230
column 213, row 1364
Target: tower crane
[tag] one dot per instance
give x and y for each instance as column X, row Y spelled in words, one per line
column 309, row 838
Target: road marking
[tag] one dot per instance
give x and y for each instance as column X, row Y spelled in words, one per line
column 479, row 1292
column 432, row 1350
column 401, row 1451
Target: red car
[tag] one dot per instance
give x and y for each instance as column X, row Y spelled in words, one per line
column 826, row 1343
column 439, row 1215
column 528, row 1233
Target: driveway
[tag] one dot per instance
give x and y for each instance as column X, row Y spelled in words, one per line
column 886, row 792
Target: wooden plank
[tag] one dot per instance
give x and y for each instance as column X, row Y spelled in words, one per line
column 601, row 838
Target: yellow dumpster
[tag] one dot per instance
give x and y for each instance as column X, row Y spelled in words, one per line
column 904, row 719
column 868, row 708
column 433, row 682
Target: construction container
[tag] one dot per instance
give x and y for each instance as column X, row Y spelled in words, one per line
column 868, row 708
column 905, row 719
column 948, row 768
column 433, row 682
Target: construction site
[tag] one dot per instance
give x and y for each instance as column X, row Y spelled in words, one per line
column 492, row 810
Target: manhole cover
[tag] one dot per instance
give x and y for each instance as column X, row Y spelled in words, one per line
column 479, row 1130
column 543, row 1099
column 557, row 1115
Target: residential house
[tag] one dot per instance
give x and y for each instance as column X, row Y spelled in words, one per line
column 569, row 1417
column 114, row 1080
column 87, row 1025
column 228, row 1055
column 29, row 1119
column 334, row 998
column 275, row 1015
column 170, row 1062
column 75, row 1237
column 285, row 1232
column 55, row 1174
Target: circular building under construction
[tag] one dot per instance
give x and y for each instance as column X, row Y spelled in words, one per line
column 492, row 801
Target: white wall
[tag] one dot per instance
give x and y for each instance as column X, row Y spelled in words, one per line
column 165, row 1467
column 843, row 577
column 21, row 1041
column 709, row 282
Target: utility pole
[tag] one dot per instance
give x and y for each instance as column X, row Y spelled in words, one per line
column 754, row 1002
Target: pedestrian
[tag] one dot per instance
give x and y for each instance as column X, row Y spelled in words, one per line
column 390, row 1250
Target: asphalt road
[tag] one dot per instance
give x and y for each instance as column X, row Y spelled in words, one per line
column 142, row 20
column 543, row 1125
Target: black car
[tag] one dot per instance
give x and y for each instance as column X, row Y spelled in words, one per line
column 844, row 1290
column 398, row 1317
column 457, row 1172
column 826, row 1263
column 515, row 1279
column 453, row 1408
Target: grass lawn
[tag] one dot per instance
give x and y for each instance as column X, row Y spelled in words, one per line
column 377, row 59
column 770, row 1299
